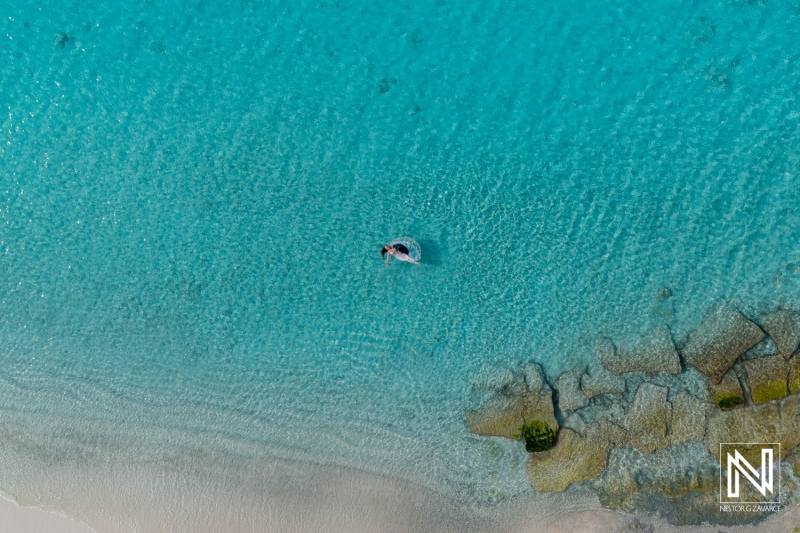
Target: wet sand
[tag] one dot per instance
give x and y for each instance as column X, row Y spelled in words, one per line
column 300, row 498
column 16, row 519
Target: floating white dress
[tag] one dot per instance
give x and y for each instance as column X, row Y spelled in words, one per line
column 414, row 252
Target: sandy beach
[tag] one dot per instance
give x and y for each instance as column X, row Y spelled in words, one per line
column 325, row 500
column 16, row 519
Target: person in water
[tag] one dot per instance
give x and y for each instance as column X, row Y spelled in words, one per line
column 399, row 251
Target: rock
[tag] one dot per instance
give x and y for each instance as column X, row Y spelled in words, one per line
column 793, row 382
column 688, row 422
column 664, row 293
column 605, row 349
column 647, row 419
column 61, row 40
column 576, row 423
column 574, row 458
column 765, row 348
column 771, row 422
column 568, row 386
column 767, row 378
column 793, row 458
column 500, row 416
column 515, row 387
column 539, row 399
column 532, row 373
column 598, row 380
column 655, row 352
column 505, row 414
column 721, row 337
column 728, row 393
column 663, row 483
column 783, row 326
column 610, row 407
column 498, row 378
column 383, row 84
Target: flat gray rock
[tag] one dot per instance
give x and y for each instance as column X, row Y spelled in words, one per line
column 783, row 326
column 688, row 421
column 719, row 339
column 598, row 380
column 576, row 423
column 655, row 352
column 534, row 378
column 568, row 386
column 648, row 418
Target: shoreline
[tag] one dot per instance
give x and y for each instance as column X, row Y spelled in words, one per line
column 21, row 519
column 314, row 498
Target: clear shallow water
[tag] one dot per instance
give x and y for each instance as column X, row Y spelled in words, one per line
column 194, row 197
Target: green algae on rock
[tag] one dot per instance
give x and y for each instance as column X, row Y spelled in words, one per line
column 774, row 390
column 505, row 413
column 538, row 436
column 767, row 378
column 650, row 439
column 720, row 338
column 728, row 392
column 771, row 422
column 574, row 458
column 729, row 402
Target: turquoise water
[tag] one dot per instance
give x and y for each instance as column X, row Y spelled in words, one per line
column 194, row 197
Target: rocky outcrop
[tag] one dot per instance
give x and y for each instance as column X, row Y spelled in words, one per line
column 568, row 387
column 651, row 439
column 605, row 350
column 771, row 422
column 783, row 326
column 661, row 484
column 655, row 352
column 688, row 421
column 767, row 378
column 721, row 337
column 647, row 419
column 654, row 423
column 506, row 413
column 574, row 457
column 598, row 380
column 793, row 382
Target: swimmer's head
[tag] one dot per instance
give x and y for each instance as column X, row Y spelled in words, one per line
column 384, row 250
